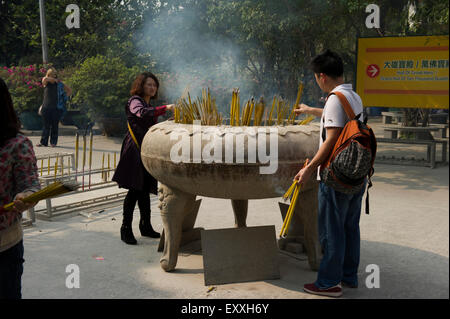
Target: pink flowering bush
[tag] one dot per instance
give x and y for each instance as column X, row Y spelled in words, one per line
column 25, row 85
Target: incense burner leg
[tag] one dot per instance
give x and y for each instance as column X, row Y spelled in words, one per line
column 174, row 206
column 240, row 208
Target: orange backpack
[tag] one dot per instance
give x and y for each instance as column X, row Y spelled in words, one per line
column 352, row 158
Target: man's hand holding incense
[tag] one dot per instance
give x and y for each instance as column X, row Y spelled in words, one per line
column 304, row 174
column 302, row 109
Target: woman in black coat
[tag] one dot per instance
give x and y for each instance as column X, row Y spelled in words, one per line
column 130, row 172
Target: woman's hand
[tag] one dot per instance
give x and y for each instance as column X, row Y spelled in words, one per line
column 301, row 109
column 19, row 205
column 170, row 107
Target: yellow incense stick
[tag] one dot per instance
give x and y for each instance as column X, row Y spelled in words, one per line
column 293, row 188
column 293, row 203
column 297, row 101
column 289, row 191
column 108, row 167
column 91, row 140
column 42, row 165
column 84, row 150
column 56, row 167
column 306, row 120
column 103, row 167
column 290, row 212
column 48, row 166
column 76, row 150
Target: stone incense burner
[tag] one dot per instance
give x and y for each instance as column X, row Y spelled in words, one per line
column 180, row 157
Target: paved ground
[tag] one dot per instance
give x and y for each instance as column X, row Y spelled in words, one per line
column 406, row 236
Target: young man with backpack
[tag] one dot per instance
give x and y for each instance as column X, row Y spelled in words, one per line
column 339, row 198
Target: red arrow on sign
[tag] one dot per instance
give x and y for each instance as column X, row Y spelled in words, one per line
column 373, row 70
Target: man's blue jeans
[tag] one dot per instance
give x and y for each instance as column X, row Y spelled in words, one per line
column 339, row 237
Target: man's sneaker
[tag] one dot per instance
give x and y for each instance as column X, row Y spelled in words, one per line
column 335, row 291
column 348, row 285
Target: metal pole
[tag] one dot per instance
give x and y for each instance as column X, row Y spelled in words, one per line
column 43, row 32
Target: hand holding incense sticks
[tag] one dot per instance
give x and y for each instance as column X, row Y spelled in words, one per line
column 295, row 189
column 53, row 190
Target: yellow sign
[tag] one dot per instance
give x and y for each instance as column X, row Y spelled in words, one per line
column 403, row 71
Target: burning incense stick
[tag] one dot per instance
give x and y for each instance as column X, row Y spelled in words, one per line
column 84, row 160
column 297, row 101
column 91, row 139
column 103, row 167
column 108, row 168
column 76, row 156
column 56, row 167
column 62, row 165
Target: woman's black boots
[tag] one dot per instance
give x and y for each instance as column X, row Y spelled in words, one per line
column 126, row 234
column 146, row 227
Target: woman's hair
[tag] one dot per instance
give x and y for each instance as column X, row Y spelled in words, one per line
column 138, row 85
column 9, row 123
column 51, row 71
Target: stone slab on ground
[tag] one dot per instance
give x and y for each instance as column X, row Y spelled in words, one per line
column 239, row 255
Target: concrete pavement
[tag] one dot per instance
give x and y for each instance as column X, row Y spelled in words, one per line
column 406, row 236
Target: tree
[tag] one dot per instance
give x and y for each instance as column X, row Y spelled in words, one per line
column 107, row 27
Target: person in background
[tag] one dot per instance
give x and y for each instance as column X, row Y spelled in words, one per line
column 18, row 179
column 338, row 213
column 50, row 112
column 130, row 172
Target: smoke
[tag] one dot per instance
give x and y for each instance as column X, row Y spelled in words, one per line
column 191, row 56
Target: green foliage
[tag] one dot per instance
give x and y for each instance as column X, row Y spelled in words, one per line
column 108, row 27
column 24, row 84
column 101, row 86
column 273, row 42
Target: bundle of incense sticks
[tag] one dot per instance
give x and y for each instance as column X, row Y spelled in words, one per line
column 306, row 120
column 50, row 191
column 204, row 109
column 294, row 189
column 291, row 118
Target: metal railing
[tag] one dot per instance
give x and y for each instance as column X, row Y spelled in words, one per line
column 62, row 167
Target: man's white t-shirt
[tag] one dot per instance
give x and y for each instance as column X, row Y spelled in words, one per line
column 333, row 114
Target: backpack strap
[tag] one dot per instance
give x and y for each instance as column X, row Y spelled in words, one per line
column 347, row 108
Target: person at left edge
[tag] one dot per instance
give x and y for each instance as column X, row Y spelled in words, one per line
column 130, row 172
column 18, row 179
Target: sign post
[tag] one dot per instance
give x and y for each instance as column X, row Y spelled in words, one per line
column 43, row 32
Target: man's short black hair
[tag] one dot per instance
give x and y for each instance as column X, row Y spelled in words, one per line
column 329, row 63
